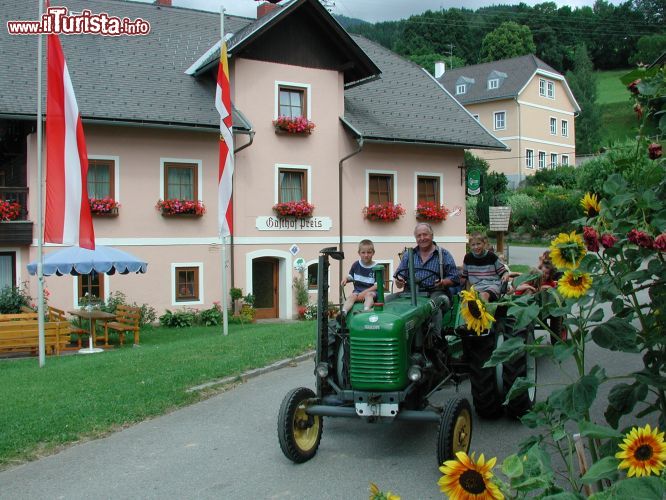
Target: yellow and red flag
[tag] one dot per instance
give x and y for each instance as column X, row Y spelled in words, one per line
column 226, row 171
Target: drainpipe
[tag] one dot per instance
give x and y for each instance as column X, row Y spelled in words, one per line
column 520, row 146
column 353, row 153
column 231, row 251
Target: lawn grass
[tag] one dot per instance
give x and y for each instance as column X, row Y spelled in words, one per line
column 609, row 87
column 77, row 397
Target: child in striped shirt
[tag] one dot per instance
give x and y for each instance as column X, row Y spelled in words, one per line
column 363, row 277
column 483, row 269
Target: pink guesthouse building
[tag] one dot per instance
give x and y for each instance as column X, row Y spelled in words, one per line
column 385, row 131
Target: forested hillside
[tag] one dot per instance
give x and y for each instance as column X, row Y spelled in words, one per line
column 615, row 36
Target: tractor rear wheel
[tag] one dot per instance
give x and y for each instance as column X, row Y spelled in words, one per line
column 487, row 383
column 522, row 366
column 299, row 433
column 455, row 429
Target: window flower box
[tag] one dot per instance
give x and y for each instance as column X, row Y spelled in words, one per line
column 294, row 209
column 177, row 208
column 384, row 212
column 9, row 210
column 299, row 125
column 104, row 206
column 431, row 211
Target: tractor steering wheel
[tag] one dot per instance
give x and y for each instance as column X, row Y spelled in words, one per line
column 404, row 275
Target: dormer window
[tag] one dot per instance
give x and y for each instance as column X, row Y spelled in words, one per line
column 461, row 89
column 493, row 83
column 546, row 88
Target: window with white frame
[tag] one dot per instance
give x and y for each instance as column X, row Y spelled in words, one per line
column 101, row 178
column 542, row 87
column 499, row 120
column 553, row 126
column 550, row 90
column 186, row 284
column 553, row 160
column 427, row 189
column 529, row 158
column 292, row 101
column 493, row 83
column 292, row 184
column 542, row 159
column 380, row 188
column 461, row 88
column 312, row 276
column 565, row 128
column 565, row 160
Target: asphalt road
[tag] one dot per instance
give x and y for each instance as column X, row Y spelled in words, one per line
column 227, row 447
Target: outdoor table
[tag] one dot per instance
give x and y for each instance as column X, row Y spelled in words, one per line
column 92, row 316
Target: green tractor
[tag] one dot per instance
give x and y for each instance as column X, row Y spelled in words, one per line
column 385, row 364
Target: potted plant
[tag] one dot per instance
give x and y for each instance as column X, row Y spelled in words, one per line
column 298, row 125
column 104, row 206
column 9, row 210
column 247, row 310
column 431, row 211
column 294, row 209
column 181, row 207
column 236, row 296
column 384, row 212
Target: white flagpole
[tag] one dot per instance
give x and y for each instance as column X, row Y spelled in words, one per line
column 223, row 301
column 40, row 191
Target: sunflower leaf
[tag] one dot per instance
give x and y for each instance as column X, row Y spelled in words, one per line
column 622, row 399
column 616, row 334
column 563, row 351
column 507, row 351
column 575, row 399
column 520, row 386
column 512, row 466
column 524, row 315
column 606, row 468
column 636, row 488
column 564, row 495
column 588, row 429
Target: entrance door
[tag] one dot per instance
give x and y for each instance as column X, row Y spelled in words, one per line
column 265, row 272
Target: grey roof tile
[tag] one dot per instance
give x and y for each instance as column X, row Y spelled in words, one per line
column 407, row 104
column 518, row 70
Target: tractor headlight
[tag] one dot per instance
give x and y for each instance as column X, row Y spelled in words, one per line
column 322, row 370
column 414, row 373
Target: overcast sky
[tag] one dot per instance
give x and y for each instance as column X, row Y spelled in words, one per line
column 369, row 10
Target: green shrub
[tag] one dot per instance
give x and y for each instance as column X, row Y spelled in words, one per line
column 523, row 210
column 470, row 209
column 178, row 319
column 12, row 299
column 210, row 317
column 301, row 289
column 493, row 194
column 557, row 209
column 561, row 176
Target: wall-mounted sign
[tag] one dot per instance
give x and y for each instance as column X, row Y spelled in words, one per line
column 272, row 223
column 294, row 249
column 474, row 182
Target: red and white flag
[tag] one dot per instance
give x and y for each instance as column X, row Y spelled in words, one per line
column 67, row 216
column 226, row 171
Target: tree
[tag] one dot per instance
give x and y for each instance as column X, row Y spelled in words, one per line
column 649, row 48
column 509, row 40
column 583, row 84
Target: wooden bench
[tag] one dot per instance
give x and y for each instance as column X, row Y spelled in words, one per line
column 56, row 314
column 23, row 336
column 127, row 320
column 24, row 316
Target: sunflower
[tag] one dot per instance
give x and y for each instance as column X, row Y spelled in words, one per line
column 590, row 204
column 474, row 312
column 574, row 284
column 567, row 250
column 463, row 478
column 643, row 452
column 377, row 494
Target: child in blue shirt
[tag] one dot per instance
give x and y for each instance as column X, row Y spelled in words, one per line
column 363, row 277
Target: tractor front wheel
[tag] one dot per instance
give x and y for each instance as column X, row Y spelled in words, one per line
column 299, row 433
column 455, row 429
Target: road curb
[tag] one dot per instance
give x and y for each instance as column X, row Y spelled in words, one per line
column 243, row 377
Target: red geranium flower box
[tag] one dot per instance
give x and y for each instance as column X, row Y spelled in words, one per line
column 181, row 207
column 429, row 210
column 297, row 125
column 384, row 212
column 9, row 210
column 294, row 209
column 104, row 206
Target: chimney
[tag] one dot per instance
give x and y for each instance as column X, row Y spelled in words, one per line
column 440, row 69
column 163, row 3
column 264, row 8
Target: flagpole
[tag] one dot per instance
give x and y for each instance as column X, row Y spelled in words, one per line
column 40, row 194
column 225, row 311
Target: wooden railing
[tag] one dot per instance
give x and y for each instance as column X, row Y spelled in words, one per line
column 18, row 194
